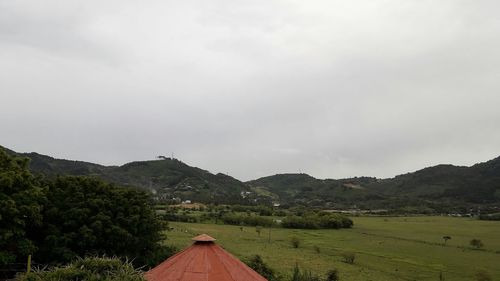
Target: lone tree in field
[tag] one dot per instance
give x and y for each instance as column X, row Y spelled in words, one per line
column 446, row 238
column 476, row 243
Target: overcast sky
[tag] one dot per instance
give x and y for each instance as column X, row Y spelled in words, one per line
column 253, row 88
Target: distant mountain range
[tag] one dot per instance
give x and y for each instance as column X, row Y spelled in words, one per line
column 437, row 188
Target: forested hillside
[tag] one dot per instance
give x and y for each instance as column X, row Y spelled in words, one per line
column 166, row 178
column 438, row 188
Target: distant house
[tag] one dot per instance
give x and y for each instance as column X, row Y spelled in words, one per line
column 186, row 202
column 244, row 194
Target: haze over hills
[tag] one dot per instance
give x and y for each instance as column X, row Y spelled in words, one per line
column 438, row 188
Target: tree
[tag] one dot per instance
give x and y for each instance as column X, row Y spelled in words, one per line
column 22, row 199
column 86, row 216
column 476, row 243
column 446, row 238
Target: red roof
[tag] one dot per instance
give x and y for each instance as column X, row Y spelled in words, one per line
column 203, row 238
column 203, row 261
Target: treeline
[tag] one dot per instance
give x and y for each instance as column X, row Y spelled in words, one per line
column 260, row 216
column 243, row 219
column 490, row 217
column 307, row 221
column 317, row 220
column 58, row 219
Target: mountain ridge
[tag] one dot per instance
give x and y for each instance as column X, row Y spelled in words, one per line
column 171, row 179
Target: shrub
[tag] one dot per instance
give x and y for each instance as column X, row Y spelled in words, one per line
column 317, row 249
column 257, row 264
column 258, row 229
column 305, row 275
column 332, row 275
column 476, row 243
column 483, row 276
column 295, row 241
column 89, row 269
column 349, row 257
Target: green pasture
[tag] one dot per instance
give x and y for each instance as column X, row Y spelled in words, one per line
column 386, row 248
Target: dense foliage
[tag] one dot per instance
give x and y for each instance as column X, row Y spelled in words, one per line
column 317, row 220
column 22, row 199
column 490, row 217
column 88, row 269
column 59, row 219
column 170, row 177
column 257, row 264
column 88, row 216
column 244, row 219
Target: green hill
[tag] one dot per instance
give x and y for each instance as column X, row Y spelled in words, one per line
column 166, row 178
column 438, row 188
column 442, row 187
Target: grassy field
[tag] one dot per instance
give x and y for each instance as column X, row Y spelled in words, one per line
column 386, row 249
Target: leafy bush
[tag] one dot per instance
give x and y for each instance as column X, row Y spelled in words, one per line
column 483, row 276
column 476, row 243
column 349, row 257
column 88, row 269
column 295, row 241
column 257, row 264
column 305, row 275
column 317, row 249
column 332, row 275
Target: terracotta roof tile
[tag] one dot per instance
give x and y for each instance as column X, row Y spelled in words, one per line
column 203, row 261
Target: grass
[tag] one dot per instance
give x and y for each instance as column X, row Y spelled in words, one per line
column 386, row 249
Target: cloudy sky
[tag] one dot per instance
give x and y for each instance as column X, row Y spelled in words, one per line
column 252, row 88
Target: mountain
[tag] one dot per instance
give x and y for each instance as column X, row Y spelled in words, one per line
column 166, row 178
column 437, row 188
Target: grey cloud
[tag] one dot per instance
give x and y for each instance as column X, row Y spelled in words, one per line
column 331, row 88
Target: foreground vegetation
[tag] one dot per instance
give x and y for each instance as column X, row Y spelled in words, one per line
column 58, row 219
column 384, row 249
column 88, row 269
